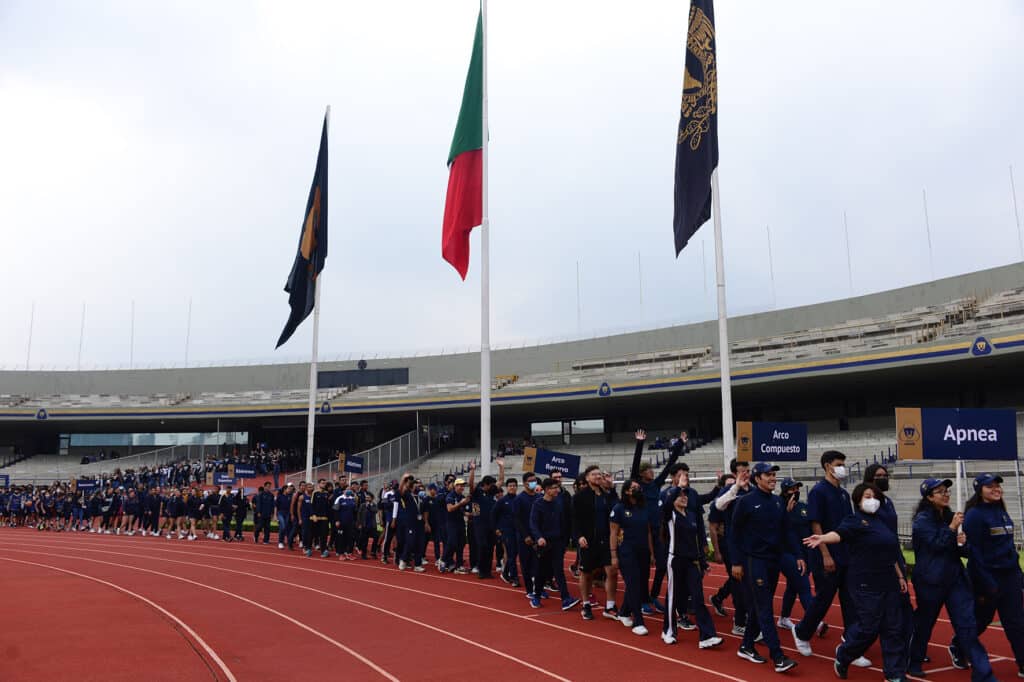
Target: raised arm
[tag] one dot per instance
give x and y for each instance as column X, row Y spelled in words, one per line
column 638, row 452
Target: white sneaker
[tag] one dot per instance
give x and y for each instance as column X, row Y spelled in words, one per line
column 626, row 621
column 420, row 569
column 475, row 570
column 280, row 545
column 191, row 538
column 402, row 565
column 117, row 532
column 861, row 663
column 802, row 645
column 709, row 642
column 785, row 624
column 668, row 638
column 640, row 630
column 92, row 530
column 739, row 630
column 143, row 533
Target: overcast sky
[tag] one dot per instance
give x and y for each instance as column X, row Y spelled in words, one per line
column 161, row 152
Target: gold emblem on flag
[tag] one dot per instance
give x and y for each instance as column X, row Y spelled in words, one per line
column 700, row 82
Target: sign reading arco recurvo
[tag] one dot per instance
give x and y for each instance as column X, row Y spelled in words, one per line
column 956, row 433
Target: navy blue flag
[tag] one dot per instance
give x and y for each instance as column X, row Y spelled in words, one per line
column 697, row 142
column 312, row 252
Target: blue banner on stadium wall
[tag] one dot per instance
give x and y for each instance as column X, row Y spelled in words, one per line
column 243, row 471
column 353, row 464
column 86, row 484
column 949, row 433
column 543, row 462
column 5, row 480
column 220, row 478
column 771, row 442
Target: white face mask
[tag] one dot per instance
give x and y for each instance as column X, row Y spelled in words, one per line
column 840, row 472
column 870, row 505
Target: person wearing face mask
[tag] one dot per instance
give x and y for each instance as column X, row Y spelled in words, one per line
column 876, row 582
column 521, row 514
column 993, row 563
column 631, row 550
column 828, row 504
column 503, row 517
column 940, row 580
column 720, row 517
column 482, row 506
column 798, row 583
column 546, row 529
column 760, row 535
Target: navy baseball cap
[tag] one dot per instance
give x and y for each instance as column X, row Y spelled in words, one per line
column 788, row 482
column 986, row 479
column 763, row 468
column 930, row 484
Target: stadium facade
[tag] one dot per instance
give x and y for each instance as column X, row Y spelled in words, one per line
column 839, row 365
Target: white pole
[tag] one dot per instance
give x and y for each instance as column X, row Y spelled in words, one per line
column 704, row 265
column 485, row 274
column 131, row 341
column 849, row 261
column 771, row 266
column 1016, row 214
column 723, row 328
column 31, row 324
column 81, row 338
column 959, row 485
column 311, row 421
column 640, row 281
column 928, row 232
column 188, row 329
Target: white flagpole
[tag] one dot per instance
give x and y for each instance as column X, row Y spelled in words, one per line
column 31, row 324
column 928, row 232
column 485, row 275
column 1016, row 214
column 771, row 266
column 311, row 423
column 188, row 329
column 729, row 449
column 849, row 261
column 81, row 338
column 131, row 341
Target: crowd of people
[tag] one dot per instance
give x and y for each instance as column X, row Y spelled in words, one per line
column 519, row 529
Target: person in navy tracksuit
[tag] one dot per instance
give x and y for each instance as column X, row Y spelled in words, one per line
column 482, row 505
column 631, row 548
column 760, row 535
column 686, row 543
column 876, row 581
column 283, row 504
column 435, row 514
column 546, row 528
column 504, row 520
column 993, row 563
column 797, row 584
column 345, row 523
column 263, row 508
column 940, row 580
column 455, row 505
column 521, row 507
column 407, row 520
column 720, row 517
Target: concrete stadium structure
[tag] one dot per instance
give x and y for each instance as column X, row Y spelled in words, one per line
column 840, row 366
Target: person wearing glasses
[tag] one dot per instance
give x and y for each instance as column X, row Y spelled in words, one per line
column 993, row 563
column 940, row 580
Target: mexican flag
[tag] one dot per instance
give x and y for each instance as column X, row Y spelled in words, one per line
column 463, row 205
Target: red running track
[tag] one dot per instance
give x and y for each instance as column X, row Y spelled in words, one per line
column 110, row 607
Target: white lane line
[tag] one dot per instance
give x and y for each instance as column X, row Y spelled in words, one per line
column 192, row 633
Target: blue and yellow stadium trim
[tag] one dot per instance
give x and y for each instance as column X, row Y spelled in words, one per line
column 690, row 380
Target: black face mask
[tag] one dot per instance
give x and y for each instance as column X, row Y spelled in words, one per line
column 792, row 496
column 882, row 484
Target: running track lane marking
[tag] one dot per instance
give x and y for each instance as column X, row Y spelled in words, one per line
column 192, row 633
column 334, row 596
column 528, row 617
column 428, row 594
column 385, row 674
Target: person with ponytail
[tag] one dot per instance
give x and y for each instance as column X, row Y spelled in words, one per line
column 876, row 582
column 993, row 563
column 940, row 580
column 682, row 531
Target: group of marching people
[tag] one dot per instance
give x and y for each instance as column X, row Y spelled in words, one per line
column 846, row 541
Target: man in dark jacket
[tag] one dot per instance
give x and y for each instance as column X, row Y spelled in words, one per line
column 263, row 509
column 651, row 484
column 590, row 528
column 241, row 505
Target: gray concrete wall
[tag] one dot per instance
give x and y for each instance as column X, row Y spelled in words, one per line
column 528, row 360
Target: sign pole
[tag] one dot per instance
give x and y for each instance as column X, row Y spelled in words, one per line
column 959, row 486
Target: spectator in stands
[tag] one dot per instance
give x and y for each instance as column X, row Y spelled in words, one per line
column 877, row 579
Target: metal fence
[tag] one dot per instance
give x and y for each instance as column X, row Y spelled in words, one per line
column 72, row 468
column 380, row 463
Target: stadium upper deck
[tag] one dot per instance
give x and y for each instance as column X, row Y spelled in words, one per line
column 939, row 321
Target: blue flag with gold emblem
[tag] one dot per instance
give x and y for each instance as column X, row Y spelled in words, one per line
column 309, row 260
column 697, row 142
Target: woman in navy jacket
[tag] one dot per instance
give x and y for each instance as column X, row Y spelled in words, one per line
column 993, row 563
column 939, row 579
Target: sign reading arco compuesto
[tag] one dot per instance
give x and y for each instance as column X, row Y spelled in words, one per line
column 952, row 433
column 771, row 442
